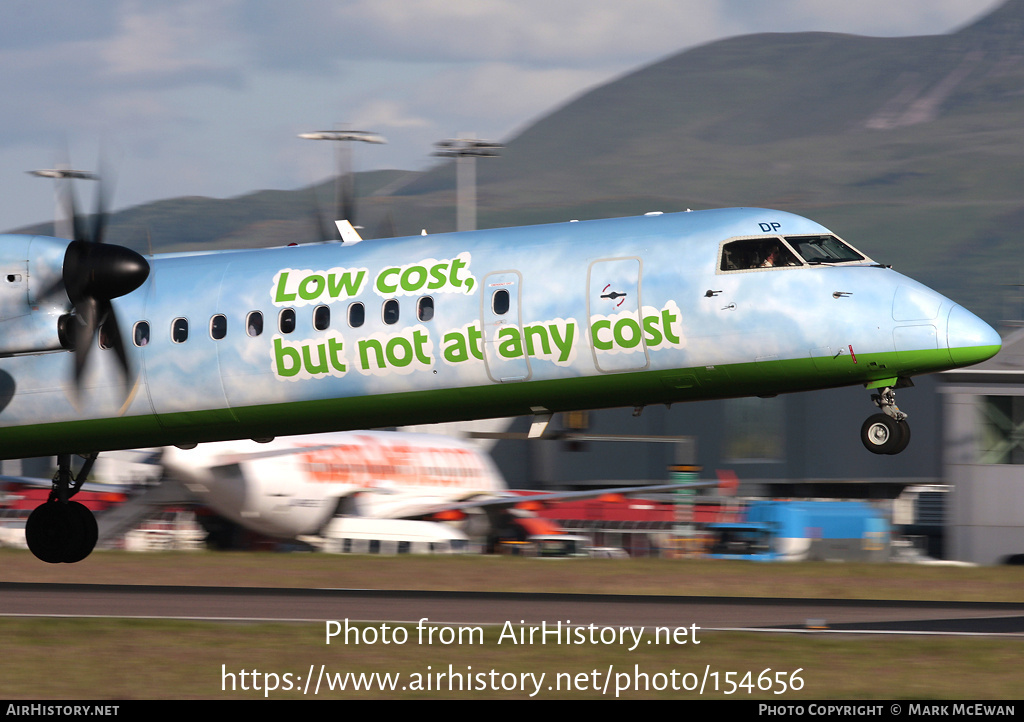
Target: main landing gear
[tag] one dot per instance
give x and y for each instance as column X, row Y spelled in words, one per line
column 62, row 530
column 887, row 432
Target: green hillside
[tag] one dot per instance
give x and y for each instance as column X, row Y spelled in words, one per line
column 910, row 148
column 256, row 220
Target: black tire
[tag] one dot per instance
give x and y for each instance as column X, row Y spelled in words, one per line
column 58, row 533
column 86, row 533
column 882, row 434
column 905, row 430
column 48, row 532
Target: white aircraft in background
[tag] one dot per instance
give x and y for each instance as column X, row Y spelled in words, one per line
column 295, row 486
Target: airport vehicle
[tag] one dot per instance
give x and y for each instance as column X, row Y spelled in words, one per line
column 803, row 530
column 181, row 349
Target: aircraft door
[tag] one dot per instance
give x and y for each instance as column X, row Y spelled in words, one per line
column 613, row 310
column 504, row 351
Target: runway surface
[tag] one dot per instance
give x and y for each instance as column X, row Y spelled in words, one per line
column 264, row 604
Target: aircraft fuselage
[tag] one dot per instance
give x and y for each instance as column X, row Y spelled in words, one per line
column 503, row 322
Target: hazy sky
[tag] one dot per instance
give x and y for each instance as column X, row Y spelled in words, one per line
column 205, row 97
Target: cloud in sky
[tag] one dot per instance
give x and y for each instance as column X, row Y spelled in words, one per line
column 204, row 97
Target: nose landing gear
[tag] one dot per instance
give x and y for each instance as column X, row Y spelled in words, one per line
column 887, row 432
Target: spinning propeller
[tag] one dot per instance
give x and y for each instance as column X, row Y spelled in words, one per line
column 93, row 274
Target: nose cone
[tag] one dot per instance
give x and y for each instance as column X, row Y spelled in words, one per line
column 102, row 271
column 227, row 494
column 969, row 339
column 223, row 488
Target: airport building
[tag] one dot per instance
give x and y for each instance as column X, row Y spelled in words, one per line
column 983, row 456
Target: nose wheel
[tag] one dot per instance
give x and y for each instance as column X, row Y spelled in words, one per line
column 887, row 432
column 883, row 434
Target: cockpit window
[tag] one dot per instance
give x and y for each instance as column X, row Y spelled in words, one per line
column 754, row 253
column 823, row 249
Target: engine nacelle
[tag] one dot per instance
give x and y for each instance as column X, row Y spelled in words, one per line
column 32, row 299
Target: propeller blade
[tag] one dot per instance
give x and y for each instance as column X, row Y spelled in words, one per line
column 70, row 206
column 85, row 317
column 110, row 337
column 99, row 219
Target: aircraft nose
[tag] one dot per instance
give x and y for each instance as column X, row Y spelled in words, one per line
column 969, row 339
column 227, row 494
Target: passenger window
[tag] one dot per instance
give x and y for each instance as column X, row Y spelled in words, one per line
column 321, row 318
column 286, row 320
column 500, row 302
column 356, row 314
column 218, row 327
column 140, row 333
column 391, row 311
column 254, row 323
column 179, row 330
column 425, row 308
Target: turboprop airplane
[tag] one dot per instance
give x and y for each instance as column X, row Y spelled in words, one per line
column 656, row 309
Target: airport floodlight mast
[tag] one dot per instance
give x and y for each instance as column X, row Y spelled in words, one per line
column 465, row 151
column 62, row 222
column 344, row 187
